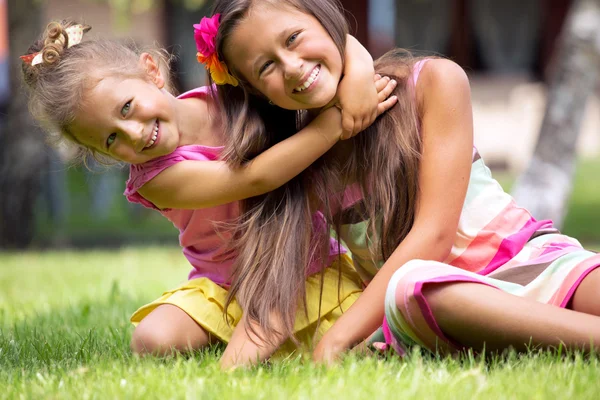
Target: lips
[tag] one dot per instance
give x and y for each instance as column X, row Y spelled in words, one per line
column 154, row 137
column 309, row 80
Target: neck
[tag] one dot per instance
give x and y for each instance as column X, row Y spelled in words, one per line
column 196, row 123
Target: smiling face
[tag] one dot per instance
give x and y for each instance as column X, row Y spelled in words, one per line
column 129, row 119
column 286, row 55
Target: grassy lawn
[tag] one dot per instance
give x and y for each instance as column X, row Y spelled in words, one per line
column 64, row 330
column 64, row 333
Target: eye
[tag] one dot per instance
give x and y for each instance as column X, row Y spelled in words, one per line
column 126, row 108
column 264, row 67
column 292, row 38
column 110, row 140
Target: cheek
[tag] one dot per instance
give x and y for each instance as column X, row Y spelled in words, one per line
column 335, row 63
column 272, row 88
column 122, row 152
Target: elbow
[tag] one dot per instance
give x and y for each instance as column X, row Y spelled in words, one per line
column 441, row 242
column 261, row 185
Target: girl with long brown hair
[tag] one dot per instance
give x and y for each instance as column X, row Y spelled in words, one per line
column 450, row 260
column 111, row 100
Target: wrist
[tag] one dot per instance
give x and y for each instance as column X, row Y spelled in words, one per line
column 336, row 340
column 331, row 122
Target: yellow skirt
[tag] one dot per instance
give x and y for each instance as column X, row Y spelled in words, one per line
column 204, row 301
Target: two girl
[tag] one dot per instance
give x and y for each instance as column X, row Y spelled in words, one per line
column 112, row 101
column 450, row 260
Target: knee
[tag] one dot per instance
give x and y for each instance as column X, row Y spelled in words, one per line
column 166, row 330
column 585, row 298
column 148, row 340
column 407, row 283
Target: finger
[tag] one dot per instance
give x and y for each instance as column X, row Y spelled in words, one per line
column 381, row 84
column 366, row 122
column 376, row 77
column 386, row 105
column 369, row 120
column 357, row 128
column 347, row 126
column 387, row 90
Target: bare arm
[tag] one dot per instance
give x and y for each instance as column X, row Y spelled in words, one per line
column 200, row 184
column 447, row 131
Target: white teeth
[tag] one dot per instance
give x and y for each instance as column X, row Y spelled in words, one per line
column 310, row 79
column 154, row 136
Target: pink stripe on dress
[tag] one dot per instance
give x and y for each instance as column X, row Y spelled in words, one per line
column 543, row 258
column 420, row 323
column 435, row 333
column 488, row 242
column 513, row 244
column 567, row 288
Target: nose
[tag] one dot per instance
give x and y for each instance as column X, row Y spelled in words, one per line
column 292, row 66
column 134, row 131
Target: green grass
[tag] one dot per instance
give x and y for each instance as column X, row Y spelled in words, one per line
column 583, row 217
column 64, row 330
column 64, row 333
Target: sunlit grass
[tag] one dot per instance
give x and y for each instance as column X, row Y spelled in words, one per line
column 64, row 333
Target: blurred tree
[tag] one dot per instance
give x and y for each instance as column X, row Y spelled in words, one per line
column 545, row 186
column 21, row 144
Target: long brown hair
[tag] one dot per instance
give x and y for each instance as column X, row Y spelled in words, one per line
column 274, row 237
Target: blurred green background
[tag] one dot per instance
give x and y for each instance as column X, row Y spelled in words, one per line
column 507, row 48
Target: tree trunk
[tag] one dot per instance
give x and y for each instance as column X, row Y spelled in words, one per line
column 545, row 186
column 21, row 143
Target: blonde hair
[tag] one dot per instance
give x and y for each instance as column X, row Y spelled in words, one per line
column 58, row 85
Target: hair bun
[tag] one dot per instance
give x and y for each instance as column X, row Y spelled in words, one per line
column 55, row 42
column 56, row 39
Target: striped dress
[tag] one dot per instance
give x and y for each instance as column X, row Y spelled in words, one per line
column 497, row 243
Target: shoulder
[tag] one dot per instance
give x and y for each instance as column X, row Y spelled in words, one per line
column 199, row 92
column 441, row 80
column 144, row 174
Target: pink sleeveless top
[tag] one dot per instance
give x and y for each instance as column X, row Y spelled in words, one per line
column 204, row 245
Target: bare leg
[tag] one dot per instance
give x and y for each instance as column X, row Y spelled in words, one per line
column 166, row 329
column 480, row 316
column 586, row 298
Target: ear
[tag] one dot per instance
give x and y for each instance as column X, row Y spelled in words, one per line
column 152, row 69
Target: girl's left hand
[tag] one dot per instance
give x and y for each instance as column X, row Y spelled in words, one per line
column 359, row 103
column 329, row 350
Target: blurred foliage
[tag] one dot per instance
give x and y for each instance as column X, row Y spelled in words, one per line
column 140, row 6
column 124, row 10
column 125, row 223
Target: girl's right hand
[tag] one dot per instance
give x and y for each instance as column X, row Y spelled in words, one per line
column 385, row 87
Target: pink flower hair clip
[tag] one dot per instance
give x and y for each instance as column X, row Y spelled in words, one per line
column 204, row 34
